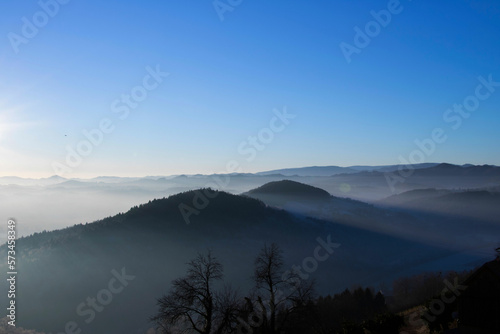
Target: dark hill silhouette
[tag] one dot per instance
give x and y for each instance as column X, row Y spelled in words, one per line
column 449, row 170
column 311, row 201
column 153, row 242
column 373, row 186
column 291, row 189
column 450, row 215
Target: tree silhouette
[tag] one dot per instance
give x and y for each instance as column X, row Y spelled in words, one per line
column 279, row 293
column 193, row 305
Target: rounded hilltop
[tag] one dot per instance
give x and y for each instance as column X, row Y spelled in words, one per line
column 290, row 188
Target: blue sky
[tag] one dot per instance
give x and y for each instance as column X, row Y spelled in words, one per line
column 226, row 78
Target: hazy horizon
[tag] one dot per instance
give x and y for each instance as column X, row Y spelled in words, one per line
column 346, row 151
column 87, row 177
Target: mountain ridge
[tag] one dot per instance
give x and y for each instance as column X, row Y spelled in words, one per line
column 152, row 241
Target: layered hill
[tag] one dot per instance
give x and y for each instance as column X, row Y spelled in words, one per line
column 152, row 243
column 287, row 190
column 334, row 170
column 452, row 216
column 478, row 204
column 376, row 185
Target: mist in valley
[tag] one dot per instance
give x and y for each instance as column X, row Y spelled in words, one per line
column 246, row 167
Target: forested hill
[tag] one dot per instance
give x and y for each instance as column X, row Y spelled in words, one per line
column 152, row 242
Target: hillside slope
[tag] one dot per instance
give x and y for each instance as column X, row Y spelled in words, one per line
column 152, row 243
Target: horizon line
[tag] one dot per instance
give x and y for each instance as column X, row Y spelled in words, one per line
column 237, row 173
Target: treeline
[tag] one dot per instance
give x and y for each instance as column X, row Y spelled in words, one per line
column 349, row 312
column 418, row 289
column 280, row 302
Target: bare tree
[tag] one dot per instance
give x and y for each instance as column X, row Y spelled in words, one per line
column 192, row 306
column 228, row 306
column 279, row 293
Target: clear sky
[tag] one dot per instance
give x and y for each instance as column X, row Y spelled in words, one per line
column 67, row 72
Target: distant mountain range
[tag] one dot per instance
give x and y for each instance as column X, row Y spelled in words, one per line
column 334, row 170
column 301, row 171
column 58, row 202
column 7, row 180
